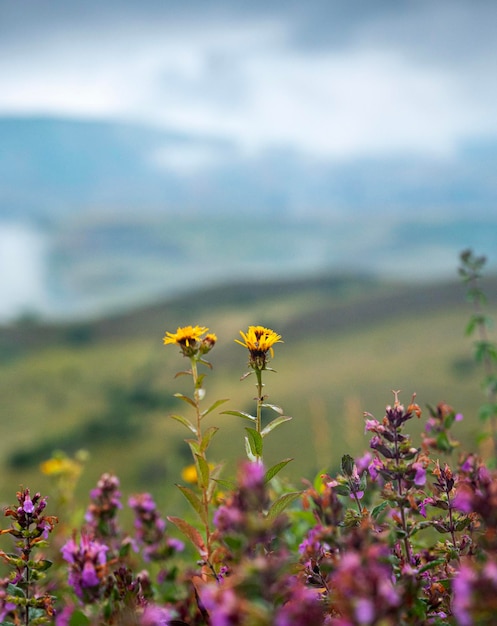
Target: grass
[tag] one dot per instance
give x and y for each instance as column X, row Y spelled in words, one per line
column 348, row 343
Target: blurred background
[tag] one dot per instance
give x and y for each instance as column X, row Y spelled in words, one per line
column 286, row 162
column 156, row 146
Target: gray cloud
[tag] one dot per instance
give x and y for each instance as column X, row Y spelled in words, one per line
column 331, row 79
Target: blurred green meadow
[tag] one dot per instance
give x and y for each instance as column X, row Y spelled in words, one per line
column 107, row 386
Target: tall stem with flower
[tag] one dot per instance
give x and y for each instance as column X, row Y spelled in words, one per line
column 402, row 465
column 195, row 343
column 21, row 600
column 485, row 350
column 259, row 341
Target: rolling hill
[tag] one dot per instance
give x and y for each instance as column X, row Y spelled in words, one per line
column 107, row 385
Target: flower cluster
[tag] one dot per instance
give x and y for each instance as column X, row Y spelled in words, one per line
column 150, row 529
column 87, row 566
column 101, row 514
column 28, row 517
column 193, row 340
column 403, row 534
column 30, row 528
column 241, row 514
column 257, row 585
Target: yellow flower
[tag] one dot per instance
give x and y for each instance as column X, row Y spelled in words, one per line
column 191, row 340
column 189, row 473
column 208, row 343
column 60, row 466
column 185, row 336
column 259, row 341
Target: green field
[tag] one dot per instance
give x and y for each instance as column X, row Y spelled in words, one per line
column 107, row 385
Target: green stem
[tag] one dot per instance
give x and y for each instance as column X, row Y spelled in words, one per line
column 260, row 400
column 27, row 575
column 400, row 491
column 488, row 365
column 358, row 502
column 451, row 524
column 203, row 488
column 471, row 273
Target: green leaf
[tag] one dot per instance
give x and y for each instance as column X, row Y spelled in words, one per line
column 484, row 350
column 463, row 523
column 431, row 565
column 207, row 437
column 183, row 373
column 274, row 423
column 78, row 618
column 248, row 450
column 342, row 490
column 282, row 503
column 443, row 442
column 274, row 407
column 186, row 399
column 194, row 446
column 255, row 441
column 347, row 465
column 42, row 565
column 185, row 421
column 228, row 485
column 204, row 471
column 240, row 414
column 378, row 509
column 213, row 480
column 214, row 406
column 470, row 327
column 194, row 500
column 275, row 469
column 487, row 411
column 124, row 550
column 189, row 531
column 15, row 591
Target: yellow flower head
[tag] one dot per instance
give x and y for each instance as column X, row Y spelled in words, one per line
column 259, row 341
column 208, row 343
column 190, row 339
column 189, row 473
column 60, row 465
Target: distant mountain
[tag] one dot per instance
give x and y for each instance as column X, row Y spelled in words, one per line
column 96, row 216
column 52, row 168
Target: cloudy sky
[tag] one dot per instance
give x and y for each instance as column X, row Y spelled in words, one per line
column 333, row 80
column 343, row 105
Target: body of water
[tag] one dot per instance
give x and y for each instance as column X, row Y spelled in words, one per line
column 92, row 267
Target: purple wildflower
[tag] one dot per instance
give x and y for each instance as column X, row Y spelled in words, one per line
column 6, row 606
column 63, row 617
column 303, row 607
column 363, row 585
column 222, row 604
column 101, row 515
column 462, row 595
column 463, row 500
column 155, row 616
column 87, row 562
column 150, row 529
column 423, row 505
column 251, row 475
column 375, row 467
column 420, row 474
